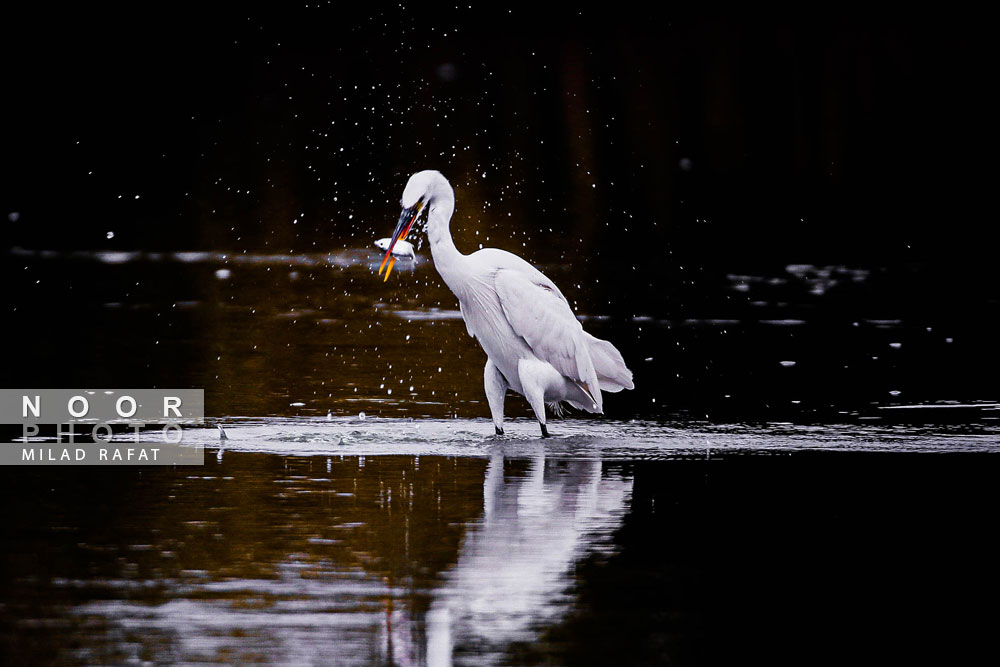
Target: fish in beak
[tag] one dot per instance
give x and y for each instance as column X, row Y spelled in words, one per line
column 406, row 220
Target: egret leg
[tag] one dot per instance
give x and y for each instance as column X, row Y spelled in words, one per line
column 496, row 389
column 531, row 376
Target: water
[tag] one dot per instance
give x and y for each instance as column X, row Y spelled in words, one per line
column 495, row 552
column 803, row 475
column 342, row 559
column 322, row 330
column 577, row 439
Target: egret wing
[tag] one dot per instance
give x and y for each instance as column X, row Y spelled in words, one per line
column 465, row 318
column 541, row 316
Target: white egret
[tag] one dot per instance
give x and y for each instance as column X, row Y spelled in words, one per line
column 533, row 342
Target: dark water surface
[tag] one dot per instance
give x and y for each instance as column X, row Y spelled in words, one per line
column 796, row 558
column 805, row 473
column 307, row 334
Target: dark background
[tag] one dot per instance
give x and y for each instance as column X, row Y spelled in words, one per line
column 664, row 165
column 834, row 138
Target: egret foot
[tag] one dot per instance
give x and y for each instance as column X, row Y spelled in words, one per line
column 499, row 430
column 545, row 431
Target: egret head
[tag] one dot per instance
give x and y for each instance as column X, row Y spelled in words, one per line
column 420, row 187
column 419, row 196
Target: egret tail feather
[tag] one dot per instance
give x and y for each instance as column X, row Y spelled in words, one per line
column 612, row 372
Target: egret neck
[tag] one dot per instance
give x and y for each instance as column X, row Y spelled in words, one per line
column 442, row 205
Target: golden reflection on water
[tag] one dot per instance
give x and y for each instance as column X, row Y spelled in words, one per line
column 347, row 560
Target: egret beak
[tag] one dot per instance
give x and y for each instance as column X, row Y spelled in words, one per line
column 406, row 220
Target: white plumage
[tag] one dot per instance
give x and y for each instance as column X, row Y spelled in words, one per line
column 533, row 342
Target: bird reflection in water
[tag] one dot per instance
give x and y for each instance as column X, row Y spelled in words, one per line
column 346, row 560
column 514, row 568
